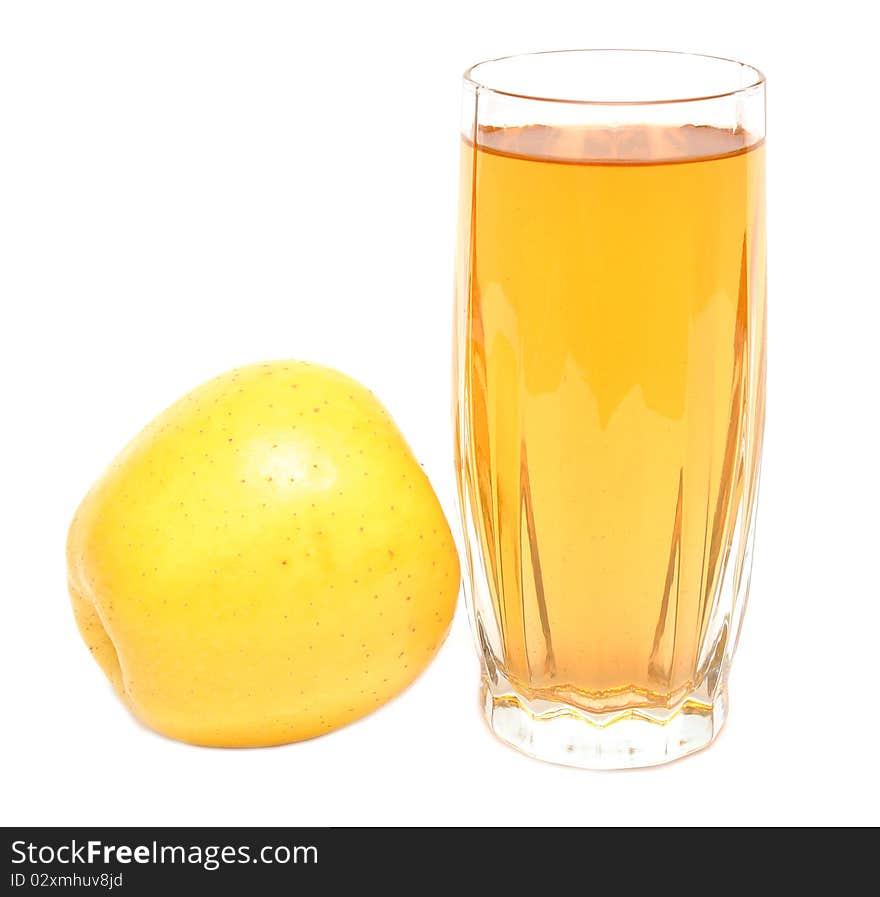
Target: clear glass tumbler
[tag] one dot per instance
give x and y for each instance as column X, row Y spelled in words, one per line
column 610, row 359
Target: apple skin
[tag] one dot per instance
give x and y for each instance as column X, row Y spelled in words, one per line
column 265, row 562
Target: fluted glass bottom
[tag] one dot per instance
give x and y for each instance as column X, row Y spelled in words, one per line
column 559, row 733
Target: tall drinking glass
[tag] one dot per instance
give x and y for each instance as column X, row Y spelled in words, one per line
column 610, row 358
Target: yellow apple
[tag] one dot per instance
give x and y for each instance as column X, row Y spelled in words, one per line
column 265, row 562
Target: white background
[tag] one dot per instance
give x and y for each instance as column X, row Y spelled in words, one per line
column 185, row 187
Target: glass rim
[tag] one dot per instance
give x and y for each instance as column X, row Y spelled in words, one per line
column 759, row 79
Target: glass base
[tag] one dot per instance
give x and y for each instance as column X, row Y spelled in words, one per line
column 559, row 733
